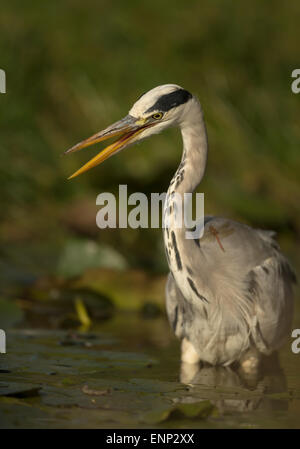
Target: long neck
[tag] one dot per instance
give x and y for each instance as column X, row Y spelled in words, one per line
column 192, row 166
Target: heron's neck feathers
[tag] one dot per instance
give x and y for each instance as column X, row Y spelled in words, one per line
column 187, row 177
column 192, row 166
column 195, row 146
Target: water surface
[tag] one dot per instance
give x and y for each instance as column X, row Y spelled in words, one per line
column 125, row 372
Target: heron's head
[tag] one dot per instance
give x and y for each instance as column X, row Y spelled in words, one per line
column 160, row 108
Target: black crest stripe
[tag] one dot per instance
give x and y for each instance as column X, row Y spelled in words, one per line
column 169, row 101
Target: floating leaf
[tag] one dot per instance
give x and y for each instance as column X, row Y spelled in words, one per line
column 196, row 410
column 79, row 255
column 19, row 390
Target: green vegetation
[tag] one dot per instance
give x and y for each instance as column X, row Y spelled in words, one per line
column 74, row 67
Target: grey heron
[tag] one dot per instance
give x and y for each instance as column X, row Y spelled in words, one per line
column 229, row 293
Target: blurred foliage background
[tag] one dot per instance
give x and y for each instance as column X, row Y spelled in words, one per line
column 74, row 67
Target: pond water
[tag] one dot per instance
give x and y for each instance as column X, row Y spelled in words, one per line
column 125, row 373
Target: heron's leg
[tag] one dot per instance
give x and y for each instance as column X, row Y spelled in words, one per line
column 188, row 372
column 188, row 353
column 250, row 361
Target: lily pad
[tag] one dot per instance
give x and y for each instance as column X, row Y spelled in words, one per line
column 19, row 390
column 197, row 410
column 79, row 255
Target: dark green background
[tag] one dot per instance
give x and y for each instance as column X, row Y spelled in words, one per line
column 74, row 67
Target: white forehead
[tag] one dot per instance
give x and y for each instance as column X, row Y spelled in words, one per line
column 149, row 98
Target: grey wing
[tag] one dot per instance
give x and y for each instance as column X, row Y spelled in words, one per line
column 266, row 276
column 271, row 288
column 245, row 278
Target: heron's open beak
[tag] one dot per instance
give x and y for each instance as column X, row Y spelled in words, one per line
column 127, row 128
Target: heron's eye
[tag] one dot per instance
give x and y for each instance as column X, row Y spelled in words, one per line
column 157, row 115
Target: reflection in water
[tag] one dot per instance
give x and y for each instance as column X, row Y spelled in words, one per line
column 231, row 389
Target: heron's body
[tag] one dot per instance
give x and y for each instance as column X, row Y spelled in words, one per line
column 231, row 301
column 229, row 293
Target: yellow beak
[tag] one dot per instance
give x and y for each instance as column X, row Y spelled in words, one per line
column 128, row 128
